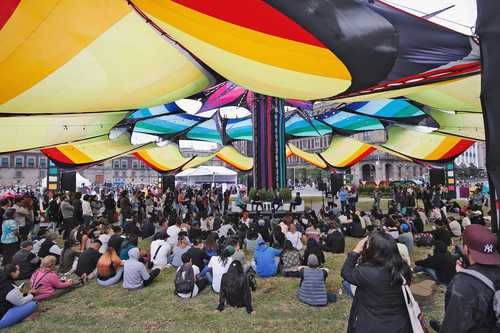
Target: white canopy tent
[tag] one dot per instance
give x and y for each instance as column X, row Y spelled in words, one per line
column 207, row 175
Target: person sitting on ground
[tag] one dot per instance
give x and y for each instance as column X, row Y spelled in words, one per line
column 181, row 248
column 188, row 282
column 465, row 220
column 335, row 241
column 174, row 230
column 226, row 229
column 219, row 266
column 199, row 256
column 235, row 289
column 454, row 226
column 148, row 230
column 312, row 232
column 127, row 245
column 313, row 248
column 48, row 283
column 87, row 263
column 109, row 268
column 378, row 271
column 477, row 218
column 295, row 237
column 14, row 306
column 442, row 233
column 312, row 286
column 290, row 260
column 104, row 238
column 160, row 250
column 250, row 240
column 27, row 261
column 356, row 228
column 49, row 247
column 115, row 241
column 440, row 266
column 69, row 258
column 266, row 260
column 135, row 275
column 406, row 237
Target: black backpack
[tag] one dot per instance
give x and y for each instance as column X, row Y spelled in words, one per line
column 184, row 280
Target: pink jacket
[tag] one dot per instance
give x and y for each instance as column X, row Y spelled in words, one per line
column 47, row 282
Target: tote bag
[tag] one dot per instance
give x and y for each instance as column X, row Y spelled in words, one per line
column 417, row 319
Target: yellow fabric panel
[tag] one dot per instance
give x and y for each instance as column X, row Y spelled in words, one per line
column 312, row 158
column 445, row 145
column 197, row 161
column 166, row 158
column 343, row 150
column 463, row 124
column 52, row 33
column 233, row 157
column 96, row 79
column 459, row 95
column 257, row 61
column 52, row 130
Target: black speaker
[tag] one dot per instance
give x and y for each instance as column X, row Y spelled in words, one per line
column 168, row 182
column 336, row 182
column 68, row 181
column 437, row 177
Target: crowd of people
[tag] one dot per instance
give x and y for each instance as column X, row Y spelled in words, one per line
column 62, row 241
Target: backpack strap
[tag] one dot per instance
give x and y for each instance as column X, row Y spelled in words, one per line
column 481, row 277
column 157, row 250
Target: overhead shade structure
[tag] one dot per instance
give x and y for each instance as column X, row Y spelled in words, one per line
column 463, row 124
column 240, row 129
column 88, row 152
column 254, row 45
column 169, row 158
column 425, row 146
column 344, row 152
column 234, row 158
column 69, row 57
column 347, row 122
column 311, row 158
column 300, row 126
column 395, row 109
column 43, row 130
column 207, row 175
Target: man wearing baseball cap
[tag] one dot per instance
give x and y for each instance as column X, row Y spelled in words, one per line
column 469, row 301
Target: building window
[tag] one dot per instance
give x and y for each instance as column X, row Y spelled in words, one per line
column 19, row 162
column 135, row 164
column 124, row 164
column 30, row 162
column 4, row 162
column 141, row 163
column 116, row 164
column 42, row 162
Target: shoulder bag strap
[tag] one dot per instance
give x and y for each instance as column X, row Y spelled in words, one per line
column 481, row 277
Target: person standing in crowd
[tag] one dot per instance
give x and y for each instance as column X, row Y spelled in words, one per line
column 125, row 207
column 343, row 199
column 24, row 216
column 86, row 210
column 77, row 208
column 377, row 270
column 377, row 195
column 470, row 294
column 10, row 236
column 67, row 212
column 110, row 208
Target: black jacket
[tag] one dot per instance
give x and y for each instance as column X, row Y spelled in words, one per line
column 442, row 263
column 469, row 303
column 378, row 306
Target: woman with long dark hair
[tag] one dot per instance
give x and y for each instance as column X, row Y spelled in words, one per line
column 219, row 265
column 376, row 268
column 313, row 247
column 235, row 289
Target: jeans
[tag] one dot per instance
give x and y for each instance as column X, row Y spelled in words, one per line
column 17, row 313
column 347, row 287
column 429, row 271
column 112, row 280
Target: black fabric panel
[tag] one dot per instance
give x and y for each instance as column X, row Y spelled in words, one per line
column 422, row 45
column 364, row 41
column 488, row 29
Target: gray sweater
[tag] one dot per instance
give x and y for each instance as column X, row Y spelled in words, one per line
column 66, row 210
column 134, row 271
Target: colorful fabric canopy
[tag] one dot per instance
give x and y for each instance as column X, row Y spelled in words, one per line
column 88, row 56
